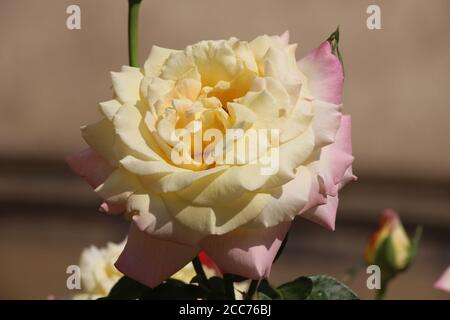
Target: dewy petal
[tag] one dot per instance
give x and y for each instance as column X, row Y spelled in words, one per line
column 245, row 251
column 90, row 166
column 150, row 261
column 444, row 281
column 324, row 74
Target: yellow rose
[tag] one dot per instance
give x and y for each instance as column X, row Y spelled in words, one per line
column 98, row 273
column 218, row 147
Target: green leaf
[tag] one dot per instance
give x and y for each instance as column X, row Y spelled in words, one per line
column 328, row 288
column 266, row 291
column 298, row 289
column 262, row 296
column 126, row 289
column 333, row 39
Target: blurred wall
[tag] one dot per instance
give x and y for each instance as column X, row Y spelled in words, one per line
column 396, row 90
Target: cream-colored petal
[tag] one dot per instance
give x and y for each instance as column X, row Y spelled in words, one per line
column 286, row 201
column 109, row 108
column 100, row 136
column 118, row 187
column 126, row 84
column 132, row 132
column 216, row 220
column 156, row 60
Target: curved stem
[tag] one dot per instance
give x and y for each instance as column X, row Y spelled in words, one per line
column 252, row 289
column 133, row 37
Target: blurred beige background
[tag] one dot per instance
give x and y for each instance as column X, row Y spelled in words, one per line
column 397, row 91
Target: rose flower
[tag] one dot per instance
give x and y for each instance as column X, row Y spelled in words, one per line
column 163, row 157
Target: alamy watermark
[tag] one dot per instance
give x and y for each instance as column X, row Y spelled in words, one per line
column 73, row 21
column 232, row 147
column 373, row 21
column 73, row 281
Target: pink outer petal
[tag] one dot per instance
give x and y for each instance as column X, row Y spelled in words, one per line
column 246, row 252
column 325, row 214
column 336, row 159
column 335, row 169
column 90, row 166
column 150, row 261
column 444, row 281
column 111, row 208
column 324, row 73
column 285, row 37
column 317, row 195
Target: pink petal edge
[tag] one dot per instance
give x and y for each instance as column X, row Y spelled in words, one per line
column 246, row 252
column 149, row 260
column 90, row 166
column 443, row 282
column 324, row 73
column 285, row 37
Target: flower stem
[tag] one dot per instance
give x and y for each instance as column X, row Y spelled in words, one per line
column 252, row 289
column 199, row 269
column 133, row 37
column 229, row 286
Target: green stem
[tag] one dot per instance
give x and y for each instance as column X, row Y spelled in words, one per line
column 133, row 37
column 229, row 286
column 252, row 289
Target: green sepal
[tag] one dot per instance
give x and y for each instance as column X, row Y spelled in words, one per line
column 333, row 39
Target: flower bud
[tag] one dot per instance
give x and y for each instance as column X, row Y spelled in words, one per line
column 390, row 247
